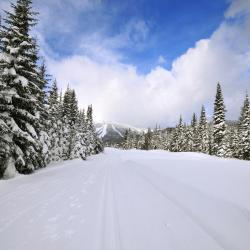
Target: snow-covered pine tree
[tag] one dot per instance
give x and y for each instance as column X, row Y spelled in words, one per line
column 195, row 133
column 20, row 89
column 166, row 140
column 97, row 144
column 55, row 124
column 44, row 112
column 173, row 145
column 125, row 142
column 185, row 137
column 73, row 117
column 89, row 131
column 203, row 140
column 140, row 140
column 80, row 147
column 66, row 124
column 188, row 139
column 177, row 140
column 219, row 125
column 148, row 140
column 156, row 138
column 234, row 141
column 244, row 131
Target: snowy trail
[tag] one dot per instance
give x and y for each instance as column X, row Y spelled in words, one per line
column 129, row 200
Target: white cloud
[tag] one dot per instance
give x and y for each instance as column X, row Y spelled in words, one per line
column 161, row 60
column 106, row 49
column 120, row 94
column 238, row 7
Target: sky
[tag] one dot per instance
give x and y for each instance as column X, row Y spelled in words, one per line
column 145, row 62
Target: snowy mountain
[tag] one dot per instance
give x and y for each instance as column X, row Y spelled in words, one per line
column 114, row 132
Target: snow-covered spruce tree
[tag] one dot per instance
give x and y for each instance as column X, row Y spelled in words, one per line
column 156, row 138
column 203, row 140
column 44, row 113
column 95, row 143
column 80, row 146
column 20, row 90
column 66, row 124
column 188, row 138
column 125, row 139
column 244, row 131
column 185, row 138
column 166, row 139
column 210, row 139
column 61, row 128
column 195, row 133
column 148, row 140
column 173, row 146
column 180, row 140
column 177, row 140
column 73, row 117
column 219, row 125
column 234, row 141
column 55, row 124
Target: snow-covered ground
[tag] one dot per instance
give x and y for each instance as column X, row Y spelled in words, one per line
column 129, row 200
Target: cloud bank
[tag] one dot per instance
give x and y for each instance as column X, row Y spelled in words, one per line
column 119, row 93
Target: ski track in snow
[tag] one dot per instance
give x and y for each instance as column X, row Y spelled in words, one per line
column 129, row 200
column 118, row 132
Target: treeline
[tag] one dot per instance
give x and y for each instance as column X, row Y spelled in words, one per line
column 37, row 125
column 215, row 138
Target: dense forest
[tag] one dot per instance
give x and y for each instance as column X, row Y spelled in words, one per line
column 218, row 137
column 38, row 125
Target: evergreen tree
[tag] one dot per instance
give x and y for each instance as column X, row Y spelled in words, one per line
column 244, row 131
column 180, row 133
column 125, row 139
column 44, row 138
column 219, row 125
column 80, row 146
column 19, row 90
column 188, row 137
column 148, row 140
column 177, row 140
column 95, row 143
column 35, row 127
column 55, row 124
column 72, row 119
column 195, row 133
column 234, row 142
column 203, row 140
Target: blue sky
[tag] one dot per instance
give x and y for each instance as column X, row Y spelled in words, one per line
column 171, row 27
column 146, row 62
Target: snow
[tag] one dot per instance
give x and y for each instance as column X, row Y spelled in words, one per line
column 31, row 130
column 129, row 200
column 12, row 71
column 25, row 43
column 13, row 50
column 22, row 80
column 10, row 171
column 103, row 130
column 113, row 127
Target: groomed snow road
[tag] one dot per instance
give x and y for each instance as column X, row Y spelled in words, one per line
column 129, row 200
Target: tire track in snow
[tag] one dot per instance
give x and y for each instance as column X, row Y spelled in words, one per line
column 111, row 238
column 208, row 230
column 116, row 215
